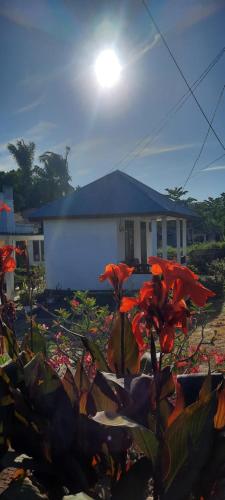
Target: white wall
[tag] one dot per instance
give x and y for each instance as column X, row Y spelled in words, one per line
column 76, row 252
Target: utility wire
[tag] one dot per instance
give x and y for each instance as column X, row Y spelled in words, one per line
column 211, row 163
column 181, row 72
column 148, row 139
column 205, row 138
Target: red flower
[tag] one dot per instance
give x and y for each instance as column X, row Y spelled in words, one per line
column 166, row 339
column 181, row 280
column 5, row 207
column 7, row 262
column 116, row 274
column 74, row 303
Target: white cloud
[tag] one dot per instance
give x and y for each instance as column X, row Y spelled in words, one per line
column 142, row 49
column 198, row 12
column 31, row 106
column 88, row 145
column 150, row 151
column 216, row 167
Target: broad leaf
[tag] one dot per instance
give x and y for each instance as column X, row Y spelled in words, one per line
column 104, row 398
column 97, row 355
column 10, row 342
column 187, row 443
column 131, row 350
column 142, row 437
column 166, row 382
column 81, row 379
column 179, row 406
column 219, row 419
column 69, row 385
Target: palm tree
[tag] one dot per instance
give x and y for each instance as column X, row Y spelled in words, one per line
column 24, row 155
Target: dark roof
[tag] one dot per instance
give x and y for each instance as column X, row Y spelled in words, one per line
column 115, row 194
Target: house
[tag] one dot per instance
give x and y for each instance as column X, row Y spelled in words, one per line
column 16, row 229
column 113, row 219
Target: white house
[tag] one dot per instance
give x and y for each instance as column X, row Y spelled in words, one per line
column 111, row 220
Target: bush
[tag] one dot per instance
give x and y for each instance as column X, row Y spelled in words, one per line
column 216, row 269
column 201, row 255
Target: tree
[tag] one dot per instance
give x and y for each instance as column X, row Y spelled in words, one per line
column 22, row 179
column 176, row 193
column 52, row 180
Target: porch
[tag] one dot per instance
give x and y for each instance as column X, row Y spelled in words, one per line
column 141, row 237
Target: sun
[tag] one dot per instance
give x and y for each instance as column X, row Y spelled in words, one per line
column 107, row 68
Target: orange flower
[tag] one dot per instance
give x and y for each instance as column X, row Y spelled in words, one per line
column 5, row 207
column 116, row 274
column 166, row 339
column 181, row 280
column 7, row 262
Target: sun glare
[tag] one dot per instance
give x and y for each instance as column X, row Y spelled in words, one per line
column 107, row 68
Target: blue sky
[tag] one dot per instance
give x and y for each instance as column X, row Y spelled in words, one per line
column 49, row 92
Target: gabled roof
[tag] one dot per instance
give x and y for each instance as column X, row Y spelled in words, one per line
column 115, row 194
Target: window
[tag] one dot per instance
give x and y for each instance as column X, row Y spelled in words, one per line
column 36, row 251
column 143, row 243
column 129, row 240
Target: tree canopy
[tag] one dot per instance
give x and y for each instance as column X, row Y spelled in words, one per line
column 33, row 184
column 211, row 221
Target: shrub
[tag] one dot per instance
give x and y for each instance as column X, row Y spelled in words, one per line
column 216, row 269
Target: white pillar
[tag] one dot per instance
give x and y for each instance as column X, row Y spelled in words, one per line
column 29, row 245
column 164, row 238
column 184, row 238
column 137, row 239
column 178, row 239
column 153, row 240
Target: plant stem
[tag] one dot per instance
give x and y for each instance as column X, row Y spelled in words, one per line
column 153, row 354
column 122, row 344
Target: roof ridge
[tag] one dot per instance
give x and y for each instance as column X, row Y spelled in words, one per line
column 134, row 182
column 143, row 187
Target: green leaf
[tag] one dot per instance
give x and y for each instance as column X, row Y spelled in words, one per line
column 102, row 395
column 97, row 355
column 40, row 378
column 142, row 437
column 131, row 350
column 186, row 448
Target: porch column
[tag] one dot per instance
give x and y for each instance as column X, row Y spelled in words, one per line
column 184, row 239
column 137, row 239
column 178, row 240
column 29, row 245
column 164, row 238
column 153, row 237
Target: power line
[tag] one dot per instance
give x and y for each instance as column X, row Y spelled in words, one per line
column 211, row 163
column 205, row 138
column 170, row 113
column 181, row 72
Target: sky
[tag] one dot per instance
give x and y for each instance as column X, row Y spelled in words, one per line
column 49, row 93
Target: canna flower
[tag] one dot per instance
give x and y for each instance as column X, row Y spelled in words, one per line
column 7, row 262
column 116, row 274
column 181, row 280
column 4, row 207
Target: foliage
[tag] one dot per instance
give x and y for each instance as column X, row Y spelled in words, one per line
column 217, row 269
column 96, row 424
column 23, row 281
column 211, row 220
column 43, row 183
